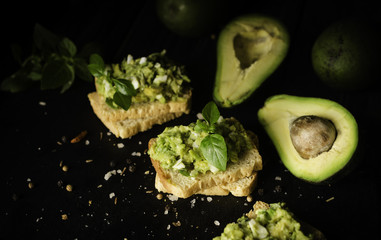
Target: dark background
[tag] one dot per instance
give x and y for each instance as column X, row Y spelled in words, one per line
column 36, row 138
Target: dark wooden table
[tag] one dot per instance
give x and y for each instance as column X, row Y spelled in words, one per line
column 37, row 126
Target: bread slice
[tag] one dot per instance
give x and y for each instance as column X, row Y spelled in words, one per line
column 139, row 117
column 242, row 187
column 238, row 179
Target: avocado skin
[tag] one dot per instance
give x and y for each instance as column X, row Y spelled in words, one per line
column 345, row 55
column 280, row 110
column 224, row 40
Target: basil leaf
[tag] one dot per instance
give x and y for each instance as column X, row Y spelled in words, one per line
column 56, row 73
column 110, row 102
column 210, row 113
column 97, row 60
column 95, row 70
column 45, row 40
column 81, row 70
column 17, row 82
column 184, row 172
column 201, row 126
column 124, row 86
column 213, row 148
column 67, row 85
column 67, row 48
column 122, row 101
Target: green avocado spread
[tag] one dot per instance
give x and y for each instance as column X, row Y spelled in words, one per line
column 270, row 224
column 178, row 147
column 155, row 78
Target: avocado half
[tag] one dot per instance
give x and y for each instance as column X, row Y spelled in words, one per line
column 277, row 117
column 249, row 49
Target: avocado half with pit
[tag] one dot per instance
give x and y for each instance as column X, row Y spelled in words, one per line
column 249, row 49
column 315, row 138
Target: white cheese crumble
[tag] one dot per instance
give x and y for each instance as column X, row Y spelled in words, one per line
column 109, row 174
column 172, row 197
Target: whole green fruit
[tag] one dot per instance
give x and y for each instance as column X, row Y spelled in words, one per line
column 190, row 18
column 346, row 54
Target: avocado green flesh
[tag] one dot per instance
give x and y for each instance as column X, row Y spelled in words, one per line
column 281, row 110
column 249, row 49
column 273, row 223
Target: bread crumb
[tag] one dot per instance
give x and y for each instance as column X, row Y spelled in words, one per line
column 176, row 224
column 64, row 217
column 79, row 137
column 216, row 222
column 111, row 195
column 120, row 145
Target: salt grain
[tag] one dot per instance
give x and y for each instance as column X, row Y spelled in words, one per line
column 217, row 223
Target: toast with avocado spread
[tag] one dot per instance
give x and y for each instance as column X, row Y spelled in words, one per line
column 136, row 94
column 269, row 221
column 183, row 166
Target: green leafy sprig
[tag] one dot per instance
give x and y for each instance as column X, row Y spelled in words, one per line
column 213, row 146
column 54, row 63
column 124, row 88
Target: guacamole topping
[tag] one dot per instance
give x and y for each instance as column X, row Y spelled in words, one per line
column 155, row 78
column 178, row 147
column 275, row 222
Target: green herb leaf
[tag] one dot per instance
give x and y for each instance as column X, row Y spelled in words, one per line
column 201, row 126
column 17, row 82
column 45, row 40
column 81, row 70
column 56, row 73
column 97, row 60
column 211, row 113
column 110, row 102
column 95, row 70
column 125, row 87
column 213, row 148
column 122, row 101
column 67, row 48
column 96, row 65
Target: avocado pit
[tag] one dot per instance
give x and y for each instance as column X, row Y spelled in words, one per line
column 312, row 135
